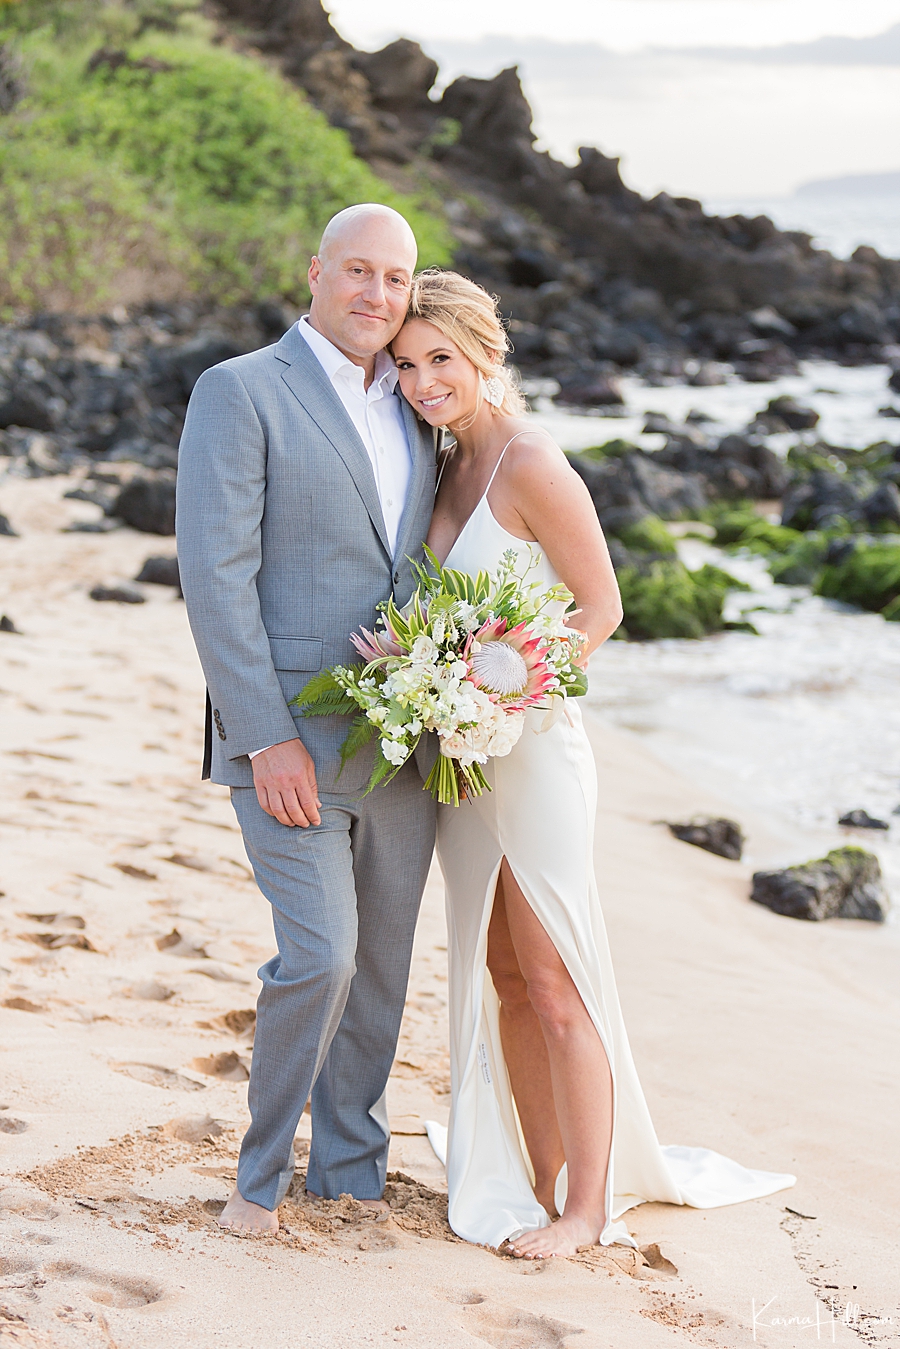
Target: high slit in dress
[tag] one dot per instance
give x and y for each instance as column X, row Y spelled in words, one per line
column 539, row 815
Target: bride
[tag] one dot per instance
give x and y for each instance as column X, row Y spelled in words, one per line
column 550, row 1138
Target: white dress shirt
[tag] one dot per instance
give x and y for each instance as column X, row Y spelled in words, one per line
column 378, row 418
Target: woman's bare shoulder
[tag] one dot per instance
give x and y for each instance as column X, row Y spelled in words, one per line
column 534, row 458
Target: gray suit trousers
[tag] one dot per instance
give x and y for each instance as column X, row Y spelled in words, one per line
column 345, row 895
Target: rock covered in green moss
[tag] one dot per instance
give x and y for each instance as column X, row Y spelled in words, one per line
column 648, row 535
column 747, row 529
column 847, row 883
column 867, row 575
column 664, row 599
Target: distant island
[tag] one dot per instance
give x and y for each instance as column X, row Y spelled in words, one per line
column 852, row 185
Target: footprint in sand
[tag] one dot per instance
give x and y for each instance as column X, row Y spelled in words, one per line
column 180, row 859
column 10, row 1125
column 221, row 975
column 137, row 872
column 175, row 945
column 156, row 1076
column 241, row 1022
column 148, row 991
column 511, row 1328
column 657, row 1261
column 227, row 1066
column 62, row 921
column 109, row 1290
column 10, row 1264
column 192, row 1128
column 23, row 1005
column 55, row 941
column 27, row 1204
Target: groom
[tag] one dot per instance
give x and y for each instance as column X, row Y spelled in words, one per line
column 305, row 480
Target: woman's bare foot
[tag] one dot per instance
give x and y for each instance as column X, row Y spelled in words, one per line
column 547, row 1200
column 567, row 1236
column 246, row 1219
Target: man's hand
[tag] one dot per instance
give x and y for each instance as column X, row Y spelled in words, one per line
column 285, row 779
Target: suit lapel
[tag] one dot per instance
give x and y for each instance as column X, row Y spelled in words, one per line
column 421, row 481
column 313, row 389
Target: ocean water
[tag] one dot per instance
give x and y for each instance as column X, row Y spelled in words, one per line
column 801, row 723
column 847, row 400
column 839, row 224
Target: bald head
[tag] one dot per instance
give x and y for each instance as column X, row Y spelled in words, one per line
column 360, row 281
column 366, row 221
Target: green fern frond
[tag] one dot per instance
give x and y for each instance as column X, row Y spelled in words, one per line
column 382, row 772
column 361, row 732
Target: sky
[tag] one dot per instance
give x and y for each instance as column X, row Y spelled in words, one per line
column 623, row 25
column 702, row 126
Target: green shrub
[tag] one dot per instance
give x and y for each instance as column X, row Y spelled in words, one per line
column 217, row 160
column 70, row 225
column 611, row 449
column 730, row 526
column 869, row 576
column 664, row 599
column 802, row 562
column 648, row 535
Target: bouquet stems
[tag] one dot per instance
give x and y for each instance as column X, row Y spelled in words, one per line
column 448, row 781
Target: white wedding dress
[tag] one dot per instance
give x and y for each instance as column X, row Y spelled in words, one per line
column 540, row 816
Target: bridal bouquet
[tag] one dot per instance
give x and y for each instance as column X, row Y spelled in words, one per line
column 464, row 658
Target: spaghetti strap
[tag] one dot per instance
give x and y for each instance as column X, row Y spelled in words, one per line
column 447, row 454
column 500, row 460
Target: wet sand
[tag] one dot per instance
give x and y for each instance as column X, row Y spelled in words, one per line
column 130, row 934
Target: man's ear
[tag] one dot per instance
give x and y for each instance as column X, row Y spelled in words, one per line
column 315, row 271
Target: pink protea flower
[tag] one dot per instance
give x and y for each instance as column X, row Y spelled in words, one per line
column 374, row 645
column 508, row 665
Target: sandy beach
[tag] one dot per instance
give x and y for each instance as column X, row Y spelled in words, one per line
column 130, row 935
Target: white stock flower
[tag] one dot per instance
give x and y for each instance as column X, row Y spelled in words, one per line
column 394, row 753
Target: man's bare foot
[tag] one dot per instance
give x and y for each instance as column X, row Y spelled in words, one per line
column 566, row 1237
column 380, row 1205
column 246, row 1219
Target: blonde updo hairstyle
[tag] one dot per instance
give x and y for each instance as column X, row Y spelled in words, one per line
column 468, row 317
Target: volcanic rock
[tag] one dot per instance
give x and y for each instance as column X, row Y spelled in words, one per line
column 861, row 819
column 739, row 467
column 148, row 504
column 27, row 406
column 883, row 506
column 820, row 501
column 120, row 594
column 591, row 390
column 205, row 350
column 796, row 416
column 723, row 837
column 847, row 883
column 160, row 571
column 624, row 488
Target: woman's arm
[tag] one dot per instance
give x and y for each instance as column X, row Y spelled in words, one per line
column 545, row 497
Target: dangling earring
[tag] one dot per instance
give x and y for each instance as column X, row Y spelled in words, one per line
column 494, row 391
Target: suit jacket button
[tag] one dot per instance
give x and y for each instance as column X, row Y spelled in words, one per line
column 396, row 578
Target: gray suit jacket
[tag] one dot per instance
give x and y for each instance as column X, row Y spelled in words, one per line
column 282, row 549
